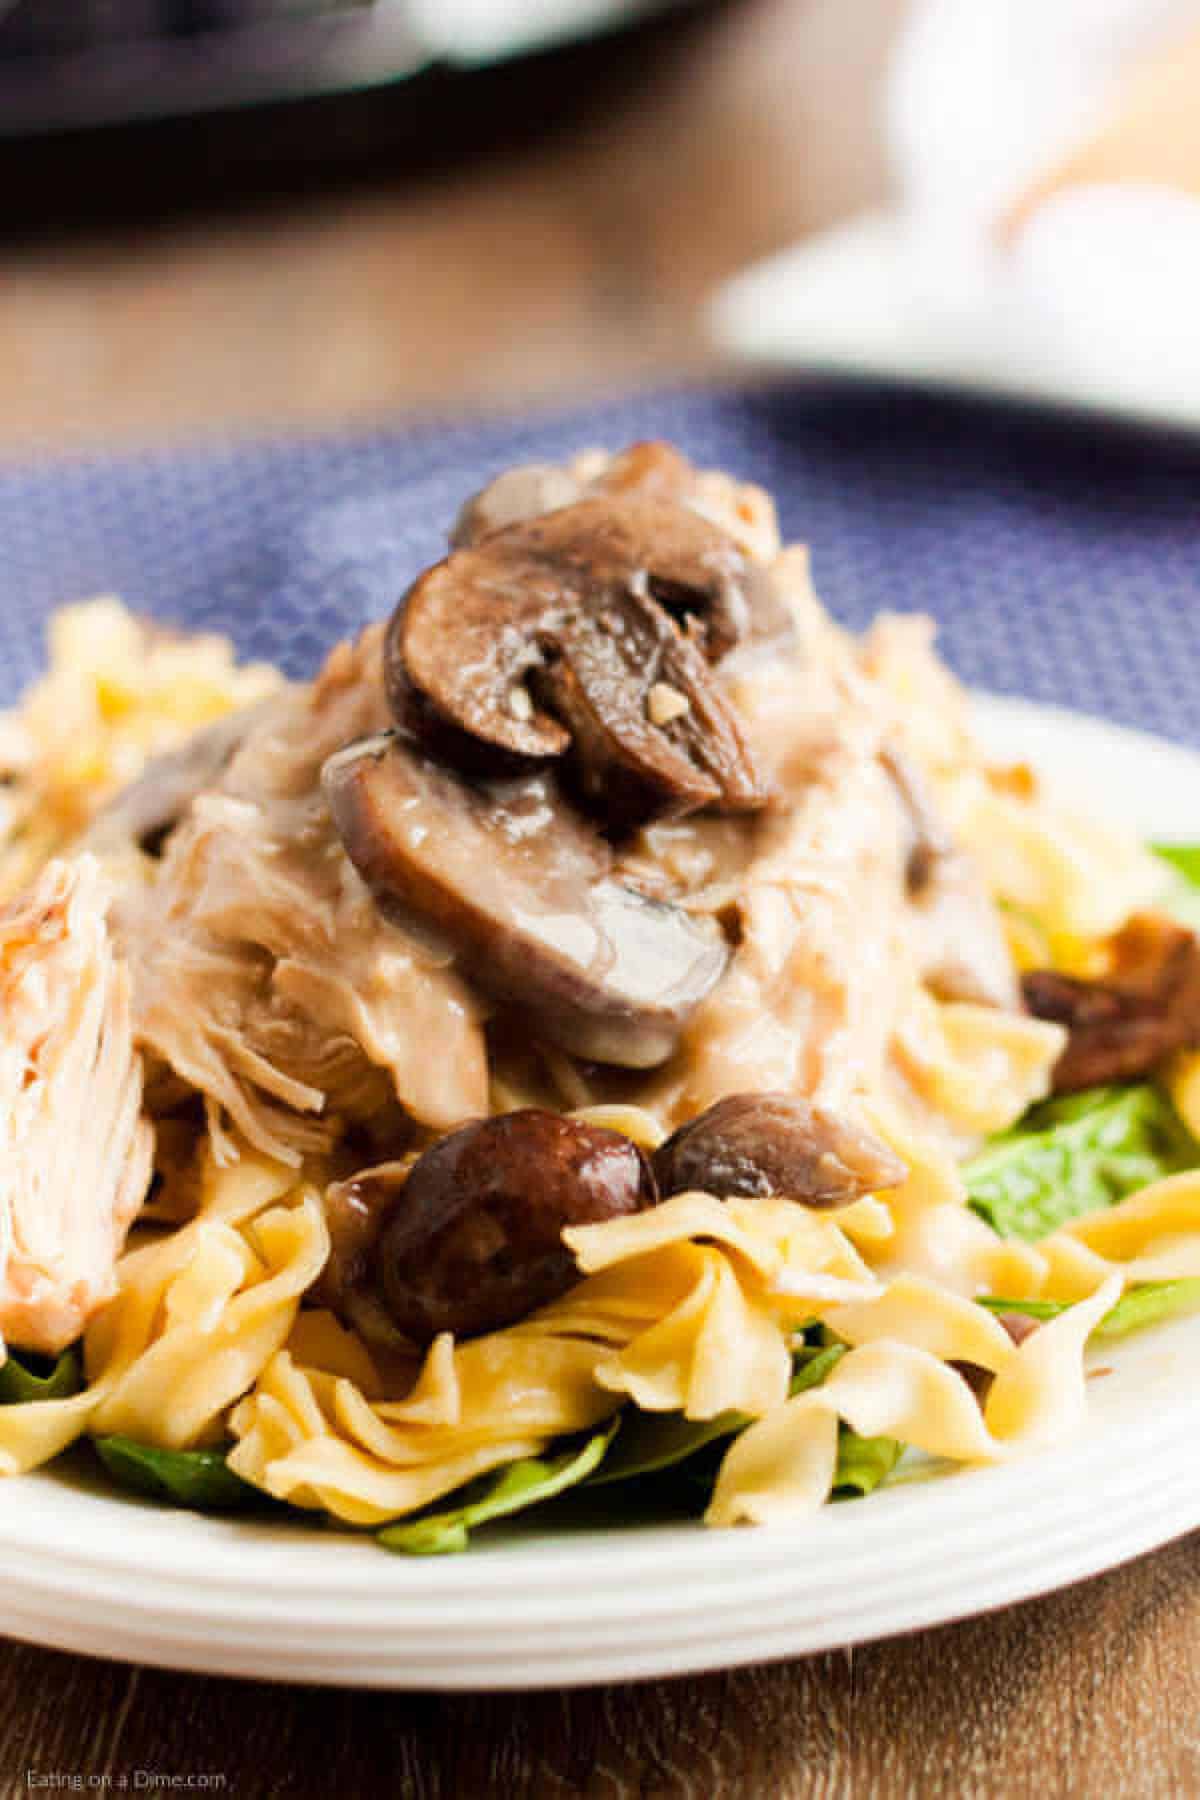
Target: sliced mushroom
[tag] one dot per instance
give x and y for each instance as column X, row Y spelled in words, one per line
column 473, row 1240
column 928, row 840
column 549, row 636
column 146, row 811
column 649, row 467
column 963, row 952
column 522, row 493
column 1019, row 1326
column 760, row 1145
column 354, row 1212
column 521, row 890
column 1123, row 1025
column 518, row 494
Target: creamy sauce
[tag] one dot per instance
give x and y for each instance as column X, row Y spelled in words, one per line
column 833, row 949
column 266, row 976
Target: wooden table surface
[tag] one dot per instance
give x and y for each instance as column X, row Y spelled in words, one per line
column 184, row 281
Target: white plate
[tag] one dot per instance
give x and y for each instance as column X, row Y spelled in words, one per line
column 87, row 1570
column 856, row 301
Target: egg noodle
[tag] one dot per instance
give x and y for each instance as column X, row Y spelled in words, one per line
column 693, row 1307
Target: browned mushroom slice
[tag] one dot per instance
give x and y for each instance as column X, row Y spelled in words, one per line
column 651, row 466
column 647, row 748
column 355, row 1211
column 592, row 623
column 1122, row 1026
column 354, row 1214
column 524, row 492
column 928, row 839
column 520, row 889
column 518, row 494
column 963, row 952
column 762, row 1144
column 1019, row 1326
column 473, row 1240
column 150, row 807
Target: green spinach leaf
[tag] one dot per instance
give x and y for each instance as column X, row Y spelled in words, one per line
column 1149, row 1303
column 648, row 1443
column 1182, row 898
column 25, row 1378
column 1185, row 858
column 513, row 1489
column 1077, row 1155
column 201, row 1479
column 864, row 1462
column 1041, row 1310
column 812, row 1368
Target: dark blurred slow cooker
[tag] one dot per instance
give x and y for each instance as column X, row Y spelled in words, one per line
column 71, row 63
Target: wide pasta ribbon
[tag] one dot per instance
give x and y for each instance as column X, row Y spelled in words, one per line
column 197, row 1316
column 1076, row 878
column 895, row 1380
column 1152, row 1235
column 738, row 1277
column 314, row 1439
column 689, row 1307
column 979, row 1067
column 782, row 1467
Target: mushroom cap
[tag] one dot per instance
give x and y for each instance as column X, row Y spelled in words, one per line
column 758, row 1145
column 550, row 636
column 521, row 889
column 522, row 492
column 1125, row 1024
column 473, row 1241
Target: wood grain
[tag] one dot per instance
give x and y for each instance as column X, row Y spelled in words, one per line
column 1094, row 1691
column 571, row 262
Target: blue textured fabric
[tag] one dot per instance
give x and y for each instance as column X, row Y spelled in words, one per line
column 1062, row 559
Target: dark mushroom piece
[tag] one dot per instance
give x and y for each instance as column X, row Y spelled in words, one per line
column 591, row 630
column 759, row 1145
column 354, row 1214
column 1019, row 1326
column 1123, row 1025
column 651, row 467
column 510, row 498
column 147, row 811
column 521, row 890
column 929, row 843
column 473, row 1239
column 968, row 958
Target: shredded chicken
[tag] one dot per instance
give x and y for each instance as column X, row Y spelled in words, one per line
column 75, row 1152
column 265, row 976
column 832, row 941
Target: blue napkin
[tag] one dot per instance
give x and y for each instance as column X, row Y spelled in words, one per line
column 1061, row 558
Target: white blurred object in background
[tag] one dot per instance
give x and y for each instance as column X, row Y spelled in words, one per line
column 1042, row 241
column 64, row 63
column 478, row 30
column 983, row 94
column 1104, row 289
